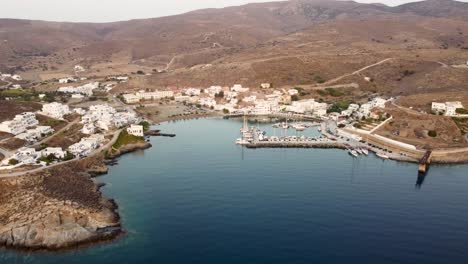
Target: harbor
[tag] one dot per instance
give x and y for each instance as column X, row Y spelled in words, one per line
column 292, row 133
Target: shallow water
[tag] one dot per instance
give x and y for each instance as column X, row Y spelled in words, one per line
column 198, row 198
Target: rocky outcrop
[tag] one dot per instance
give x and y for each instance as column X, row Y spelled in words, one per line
column 128, row 149
column 59, row 209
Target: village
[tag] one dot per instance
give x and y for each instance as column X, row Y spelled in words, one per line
column 99, row 121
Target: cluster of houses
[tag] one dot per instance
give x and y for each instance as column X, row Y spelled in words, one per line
column 5, row 76
column 86, row 145
column 447, row 108
column 80, row 91
column 145, row 95
column 240, row 100
column 103, row 117
column 30, row 156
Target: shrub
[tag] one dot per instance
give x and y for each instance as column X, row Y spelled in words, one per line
column 432, row 133
column 13, row 162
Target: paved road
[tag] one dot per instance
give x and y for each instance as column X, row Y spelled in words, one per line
column 70, row 124
column 95, row 152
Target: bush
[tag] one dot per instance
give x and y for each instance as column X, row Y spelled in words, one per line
column 461, row 111
column 146, row 125
column 295, row 97
column 432, row 133
column 13, row 162
column 68, row 156
column 226, row 111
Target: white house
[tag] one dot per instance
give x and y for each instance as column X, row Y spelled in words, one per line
column 293, row 92
column 57, row 152
column 238, row 88
column 136, row 130
column 192, row 91
column 55, row 110
column 265, row 85
column 88, row 129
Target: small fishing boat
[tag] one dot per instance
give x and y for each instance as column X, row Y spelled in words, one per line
column 383, row 156
column 365, row 151
column 353, row 153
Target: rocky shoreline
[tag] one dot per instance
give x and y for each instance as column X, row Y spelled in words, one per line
column 61, row 208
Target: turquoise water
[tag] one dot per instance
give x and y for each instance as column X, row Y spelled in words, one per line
column 198, row 198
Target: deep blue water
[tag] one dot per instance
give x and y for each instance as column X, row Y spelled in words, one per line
column 198, row 198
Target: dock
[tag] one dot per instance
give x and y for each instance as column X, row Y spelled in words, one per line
column 425, row 161
column 296, row 144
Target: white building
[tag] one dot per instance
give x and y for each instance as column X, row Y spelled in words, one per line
column 293, row 92
column 88, row 129
column 265, row 85
column 207, row 101
column 57, row 152
column 213, row 90
column 67, row 80
column 143, row 95
column 19, row 124
column 448, row 108
column 33, row 135
column 86, row 89
column 55, row 110
column 192, row 91
column 238, row 88
column 131, row 98
column 79, row 68
column 84, row 147
column 136, row 130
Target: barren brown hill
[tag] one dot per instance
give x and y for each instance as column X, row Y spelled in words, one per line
column 297, row 42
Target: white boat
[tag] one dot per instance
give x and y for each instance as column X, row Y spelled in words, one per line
column 241, row 141
column 300, row 128
column 383, row 156
column 359, row 151
column 353, row 153
column 365, row 151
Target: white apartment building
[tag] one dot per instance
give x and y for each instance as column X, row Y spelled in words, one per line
column 55, row 110
column 131, row 98
column 136, row 130
column 19, row 124
column 33, row 135
column 142, row 95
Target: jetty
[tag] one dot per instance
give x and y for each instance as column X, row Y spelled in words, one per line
column 425, row 161
column 296, row 144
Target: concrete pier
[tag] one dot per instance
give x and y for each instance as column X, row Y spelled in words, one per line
column 296, row 144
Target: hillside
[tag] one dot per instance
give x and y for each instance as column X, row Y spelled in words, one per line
column 292, row 42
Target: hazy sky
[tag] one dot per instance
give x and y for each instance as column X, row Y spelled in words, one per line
column 116, row 10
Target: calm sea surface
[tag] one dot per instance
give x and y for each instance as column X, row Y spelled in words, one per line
column 198, row 198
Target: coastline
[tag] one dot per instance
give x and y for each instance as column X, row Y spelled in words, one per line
column 112, row 229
